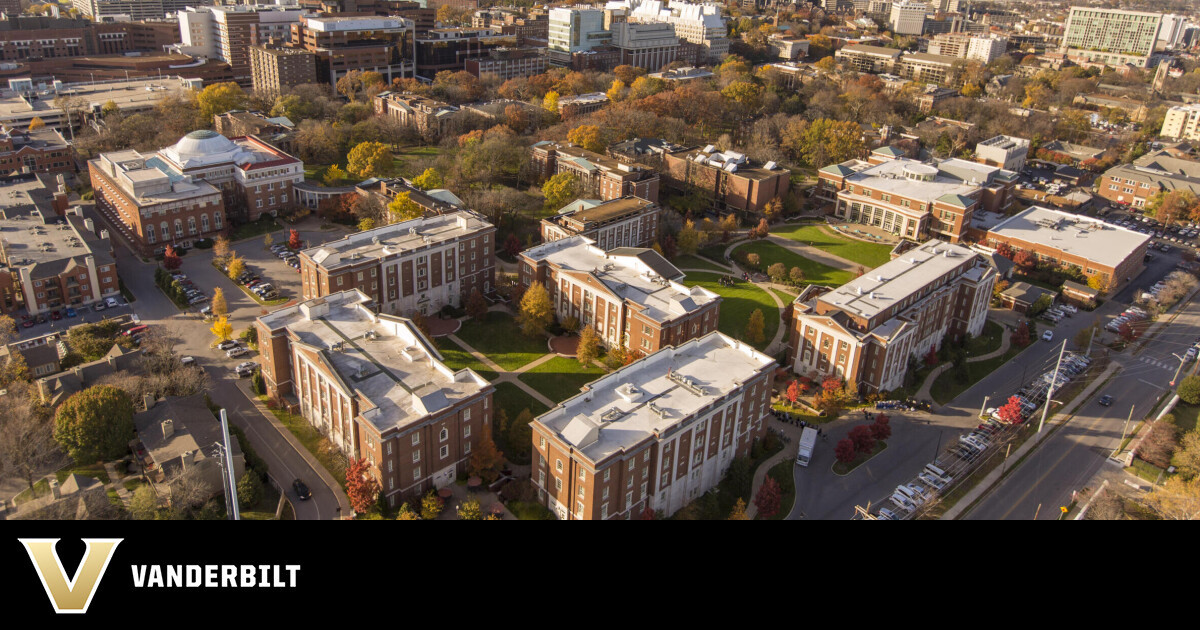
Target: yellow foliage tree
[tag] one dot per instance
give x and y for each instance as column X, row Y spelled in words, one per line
column 739, row 511
column 369, row 159
column 616, row 91
column 559, row 190
column 588, row 137
column 219, row 308
column 222, row 329
column 428, row 180
column 36, row 123
column 536, row 311
column 237, row 267
column 404, row 208
column 333, row 175
column 219, row 98
column 550, row 103
column 755, row 327
column 1176, row 499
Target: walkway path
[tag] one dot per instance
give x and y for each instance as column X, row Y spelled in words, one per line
column 781, row 330
column 812, row 253
column 510, row 377
column 923, row 393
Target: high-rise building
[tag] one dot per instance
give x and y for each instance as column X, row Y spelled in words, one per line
column 135, row 9
column 908, row 17
column 378, row 389
column 228, row 32
column 654, row 435
column 450, row 48
column 866, row 330
column 574, row 30
column 982, row 49
column 649, row 45
column 1182, row 122
column 1171, row 33
column 341, row 44
column 1111, row 37
column 275, row 68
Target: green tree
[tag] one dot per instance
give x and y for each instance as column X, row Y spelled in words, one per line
column 428, row 180
column 95, row 424
column 143, row 506
column 519, row 435
column 560, row 190
column 755, row 327
column 536, row 311
column 403, row 208
column 249, row 490
column 688, row 239
column 369, row 159
column 470, row 510
column 219, row 98
column 1189, row 390
column 589, row 346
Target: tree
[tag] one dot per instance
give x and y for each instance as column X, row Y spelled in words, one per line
column 1011, row 411
column 403, row 208
column 237, row 266
column 171, row 260
column 366, row 224
column 754, row 260
column 476, row 306
column 418, row 320
column 931, row 357
column 864, row 442
column 219, row 308
column 249, row 490
column 519, row 436
column 485, row 460
column 26, row 435
column 407, row 514
column 560, row 190
column 219, row 98
column 1099, row 282
column 536, row 311
column 431, row 506
column 294, row 240
column 15, row 370
column 36, row 123
column 268, row 241
column 143, row 506
column 881, row 429
column 1127, row 332
column 1189, row 390
column 845, row 451
column 470, row 510
column 428, row 180
column 512, row 245
column 616, row 91
column 1084, row 337
column 589, row 346
column 334, row 175
column 739, row 511
column 369, row 159
column 588, row 137
column 831, row 383
column 778, row 272
column 755, row 327
column 1020, row 336
column 688, row 240
column 1177, row 499
column 762, row 230
column 550, row 102
column 1187, row 458
column 361, row 487
column 793, row 391
column 1025, row 259
column 95, row 424
column 222, row 329
column 221, row 248
column 768, row 498
column 797, row 275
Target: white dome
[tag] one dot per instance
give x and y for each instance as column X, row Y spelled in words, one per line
column 202, row 147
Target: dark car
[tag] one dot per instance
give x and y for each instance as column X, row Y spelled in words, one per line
column 1105, row 400
column 55, row 315
column 301, row 490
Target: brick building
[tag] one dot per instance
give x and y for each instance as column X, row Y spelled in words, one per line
column 378, row 389
column 449, row 48
column 914, row 200
column 654, row 435
column 1092, row 246
column 367, row 43
column 200, row 182
column 1134, row 184
column 428, row 117
column 571, row 106
column 50, row 257
column 624, row 222
column 41, row 151
column 40, row 45
column 508, row 63
column 275, row 68
column 632, row 297
column 643, row 151
column 866, row 330
column 732, row 181
column 598, row 175
column 420, row 265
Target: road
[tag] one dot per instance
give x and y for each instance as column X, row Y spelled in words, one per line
column 285, row 459
column 1076, row 452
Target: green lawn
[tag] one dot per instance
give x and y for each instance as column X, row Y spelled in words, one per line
column 688, row 261
column 814, row 272
column 500, row 339
column 513, row 400
column 947, row 385
column 530, row 511
column 256, row 228
column 1185, row 417
column 784, row 296
column 1146, row 471
column 869, row 255
column 859, row 460
column 95, row 471
column 456, row 358
column 988, row 341
column 317, row 444
column 560, row 378
column 402, row 160
column 737, row 303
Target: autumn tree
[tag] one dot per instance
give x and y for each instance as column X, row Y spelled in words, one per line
column 881, row 429
column 95, row 424
column 36, row 123
column 864, row 442
column 294, row 240
column 550, row 102
column 1176, row 500
column 739, row 511
column 366, row 224
column 1011, row 411
column 796, row 275
column 361, row 487
column 755, row 327
column 826, row 64
column 171, row 260
column 219, row 308
column 476, row 306
column 333, row 175
column 778, row 272
column 403, row 208
column 616, row 91
column 221, row 248
column 26, row 435
column 688, row 239
column 536, row 311
column 1160, row 444
column 369, row 159
column 768, row 498
column 237, row 266
column 845, row 452
column 1189, row 390
column 1100, row 282
column 793, row 391
column 1020, row 336
column 431, row 506
column 560, row 190
column 219, row 98
column 429, row 180
column 588, row 137
column 407, row 514
column 222, row 329
column 589, row 346
column 1025, row 259
column 485, row 460
column 470, row 510
column 754, row 260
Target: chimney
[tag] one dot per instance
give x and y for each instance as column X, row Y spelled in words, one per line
column 61, row 204
column 87, row 223
column 54, row 490
column 148, row 401
column 168, row 428
column 185, row 461
column 104, row 234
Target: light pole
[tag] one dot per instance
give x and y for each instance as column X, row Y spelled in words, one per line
column 1053, row 382
column 1182, row 360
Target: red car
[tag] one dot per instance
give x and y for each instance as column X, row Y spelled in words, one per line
column 55, row 315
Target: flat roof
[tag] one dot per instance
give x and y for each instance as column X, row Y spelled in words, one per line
column 871, row 50
column 395, row 238
column 652, row 396
column 609, row 210
column 127, row 95
column 952, row 177
column 639, row 275
column 1092, row 239
column 394, row 369
column 33, row 234
column 885, row 286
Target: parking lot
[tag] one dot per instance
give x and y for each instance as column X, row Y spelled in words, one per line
column 83, row 314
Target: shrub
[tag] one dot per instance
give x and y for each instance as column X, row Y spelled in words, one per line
column 1189, row 390
column 1159, row 445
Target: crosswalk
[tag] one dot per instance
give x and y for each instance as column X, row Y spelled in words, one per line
column 1159, row 362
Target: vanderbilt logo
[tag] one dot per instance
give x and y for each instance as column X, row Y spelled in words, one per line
column 73, row 596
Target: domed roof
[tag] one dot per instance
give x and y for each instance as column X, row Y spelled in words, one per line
column 202, row 134
column 201, row 147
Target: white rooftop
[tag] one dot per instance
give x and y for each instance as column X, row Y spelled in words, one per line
column 925, row 182
column 1089, row 238
column 883, row 287
column 653, row 395
column 397, row 237
column 382, row 358
column 642, row 276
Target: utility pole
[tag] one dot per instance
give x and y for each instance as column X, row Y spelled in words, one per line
column 1117, row 451
column 1090, row 338
column 1053, row 382
column 231, row 498
column 983, row 407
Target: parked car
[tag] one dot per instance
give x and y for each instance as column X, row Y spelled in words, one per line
column 234, row 353
column 245, row 369
column 99, row 306
column 1105, row 400
column 225, row 345
column 71, row 312
column 1048, row 335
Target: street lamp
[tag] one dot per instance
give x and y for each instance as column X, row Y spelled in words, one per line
column 1182, row 360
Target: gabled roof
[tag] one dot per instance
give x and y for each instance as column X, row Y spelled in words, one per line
column 653, row 259
column 957, row 200
column 837, row 169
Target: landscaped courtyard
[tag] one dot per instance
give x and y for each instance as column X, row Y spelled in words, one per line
column 560, row 378
column 869, row 255
column 814, row 272
column 499, row 338
column 737, row 303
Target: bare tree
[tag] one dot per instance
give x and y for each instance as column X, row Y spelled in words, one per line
column 27, row 443
column 189, row 491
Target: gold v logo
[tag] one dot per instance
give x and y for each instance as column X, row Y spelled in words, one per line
column 74, row 596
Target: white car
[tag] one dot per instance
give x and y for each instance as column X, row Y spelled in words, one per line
column 234, row 353
column 112, row 302
column 187, row 360
column 1048, row 335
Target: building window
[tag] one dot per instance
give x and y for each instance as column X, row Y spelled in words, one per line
column 416, row 456
column 444, row 452
column 416, row 473
column 443, row 435
column 557, row 484
column 416, row 439
column 467, row 431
